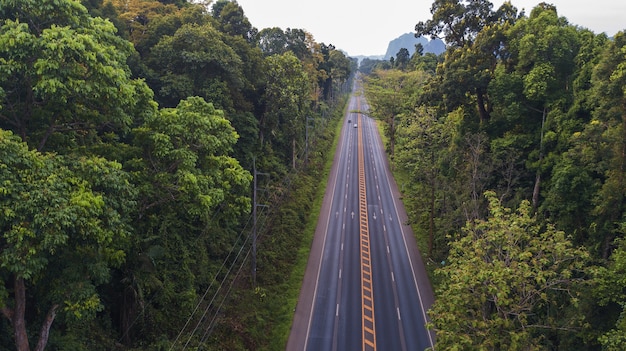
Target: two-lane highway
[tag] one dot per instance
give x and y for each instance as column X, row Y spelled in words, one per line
column 365, row 287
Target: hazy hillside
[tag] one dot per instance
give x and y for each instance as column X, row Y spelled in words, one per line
column 408, row 41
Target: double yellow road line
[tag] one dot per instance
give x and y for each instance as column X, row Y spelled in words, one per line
column 367, row 291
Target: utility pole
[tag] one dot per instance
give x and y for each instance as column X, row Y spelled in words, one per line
column 306, row 139
column 254, row 218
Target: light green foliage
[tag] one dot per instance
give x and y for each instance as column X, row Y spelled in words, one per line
column 191, row 196
column 611, row 289
column 392, row 96
column 63, row 71
column 186, row 158
column 546, row 50
column 504, row 281
column 62, row 228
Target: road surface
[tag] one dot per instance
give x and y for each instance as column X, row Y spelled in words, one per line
column 365, row 286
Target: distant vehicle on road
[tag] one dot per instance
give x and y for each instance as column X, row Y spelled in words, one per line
column 355, row 125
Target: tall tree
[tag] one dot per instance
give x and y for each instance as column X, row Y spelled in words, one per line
column 607, row 135
column 195, row 61
column 63, row 75
column 459, row 21
column 191, row 196
column 402, row 58
column 543, row 49
column 232, row 21
column 475, row 35
column 505, row 281
column 64, row 225
column 422, row 137
column 287, row 100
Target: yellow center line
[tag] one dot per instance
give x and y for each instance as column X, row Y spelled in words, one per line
column 367, row 291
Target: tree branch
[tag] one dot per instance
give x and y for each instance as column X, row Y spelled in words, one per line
column 44, row 334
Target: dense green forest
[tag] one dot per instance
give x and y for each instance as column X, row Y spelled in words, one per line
column 130, row 132
column 512, row 150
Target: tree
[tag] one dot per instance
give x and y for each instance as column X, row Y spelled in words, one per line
column 392, row 93
column 475, row 35
column 402, row 58
column 505, row 282
column 607, row 132
column 185, row 155
column 459, row 22
column 64, row 79
column 63, row 227
column 191, row 195
column 232, row 20
column 610, row 288
column 422, row 138
column 287, row 101
column 195, row 61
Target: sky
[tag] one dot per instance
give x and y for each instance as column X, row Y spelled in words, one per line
column 361, row 27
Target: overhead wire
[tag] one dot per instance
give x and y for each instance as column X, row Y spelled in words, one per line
column 263, row 216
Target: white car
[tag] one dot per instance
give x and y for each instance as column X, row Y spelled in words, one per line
column 355, row 125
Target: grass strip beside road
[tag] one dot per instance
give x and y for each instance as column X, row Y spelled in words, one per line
column 280, row 331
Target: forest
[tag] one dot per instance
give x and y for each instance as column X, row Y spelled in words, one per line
column 510, row 149
column 131, row 133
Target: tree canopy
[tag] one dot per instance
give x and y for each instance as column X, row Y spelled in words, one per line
column 127, row 146
column 530, row 109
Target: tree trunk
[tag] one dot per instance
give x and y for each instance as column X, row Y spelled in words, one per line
column 293, row 153
column 18, row 321
column 536, row 190
column 538, row 177
column 482, row 110
column 431, row 224
column 17, row 317
column 44, row 334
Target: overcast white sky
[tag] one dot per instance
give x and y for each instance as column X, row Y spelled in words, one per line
column 361, row 27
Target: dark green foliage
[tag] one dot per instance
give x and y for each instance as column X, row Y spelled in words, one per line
column 110, row 240
column 532, row 108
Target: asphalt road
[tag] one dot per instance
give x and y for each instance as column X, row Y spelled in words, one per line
column 365, row 286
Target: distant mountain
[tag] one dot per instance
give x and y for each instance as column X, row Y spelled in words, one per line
column 408, row 41
column 371, row 57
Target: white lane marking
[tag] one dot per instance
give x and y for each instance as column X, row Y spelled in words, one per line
column 340, row 273
column 340, row 149
column 398, row 309
column 393, row 277
column 337, row 311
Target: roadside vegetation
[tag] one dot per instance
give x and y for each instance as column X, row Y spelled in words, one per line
column 130, row 132
column 509, row 150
